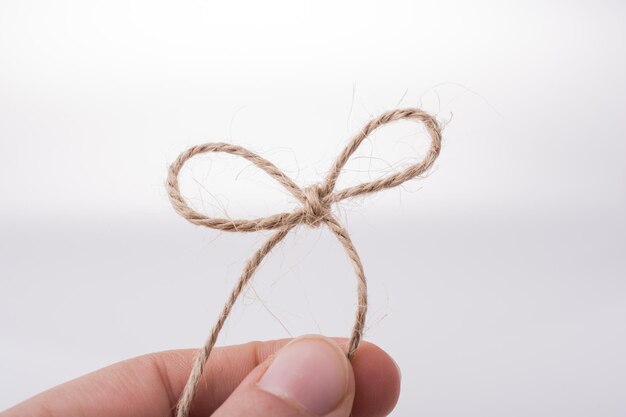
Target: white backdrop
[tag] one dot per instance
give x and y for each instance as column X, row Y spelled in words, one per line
column 497, row 282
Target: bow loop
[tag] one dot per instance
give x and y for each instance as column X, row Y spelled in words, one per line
column 397, row 178
column 274, row 221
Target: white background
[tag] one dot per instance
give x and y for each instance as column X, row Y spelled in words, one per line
column 497, row 282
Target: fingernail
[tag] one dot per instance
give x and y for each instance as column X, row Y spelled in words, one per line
column 312, row 371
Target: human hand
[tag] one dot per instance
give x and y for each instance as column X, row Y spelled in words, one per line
column 308, row 377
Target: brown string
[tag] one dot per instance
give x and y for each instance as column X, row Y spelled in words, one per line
column 316, row 203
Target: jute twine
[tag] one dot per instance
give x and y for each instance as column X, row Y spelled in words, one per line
column 316, row 203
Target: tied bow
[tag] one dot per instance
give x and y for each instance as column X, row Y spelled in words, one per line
column 316, row 203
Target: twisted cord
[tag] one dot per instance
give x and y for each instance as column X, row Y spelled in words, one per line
column 316, row 201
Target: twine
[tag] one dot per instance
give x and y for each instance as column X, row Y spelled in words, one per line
column 316, row 203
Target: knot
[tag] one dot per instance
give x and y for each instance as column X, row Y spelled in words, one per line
column 315, row 205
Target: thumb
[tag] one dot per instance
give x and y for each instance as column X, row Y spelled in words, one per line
column 310, row 376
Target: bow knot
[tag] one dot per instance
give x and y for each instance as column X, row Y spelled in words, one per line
column 316, row 205
column 316, row 201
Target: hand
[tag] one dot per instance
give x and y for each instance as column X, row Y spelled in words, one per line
column 310, row 376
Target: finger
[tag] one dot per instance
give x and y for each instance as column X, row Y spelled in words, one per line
column 311, row 376
column 150, row 385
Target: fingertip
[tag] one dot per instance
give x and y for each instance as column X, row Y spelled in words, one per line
column 313, row 371
column 378, row 381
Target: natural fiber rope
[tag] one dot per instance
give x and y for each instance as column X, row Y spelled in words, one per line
column 316, row 210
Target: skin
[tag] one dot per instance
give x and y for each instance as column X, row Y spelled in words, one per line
column 149, row 385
